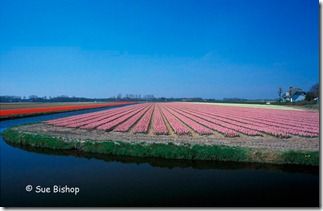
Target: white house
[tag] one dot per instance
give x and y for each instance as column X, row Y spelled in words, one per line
column 294, row 94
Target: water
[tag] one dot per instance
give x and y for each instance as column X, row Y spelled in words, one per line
column 120, row 181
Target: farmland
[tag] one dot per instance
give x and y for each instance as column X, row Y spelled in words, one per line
column 199, row 131
column 267, row 106
column 13, row 110
column 193, row 119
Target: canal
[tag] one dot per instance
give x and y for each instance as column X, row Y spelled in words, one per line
column 123, row 181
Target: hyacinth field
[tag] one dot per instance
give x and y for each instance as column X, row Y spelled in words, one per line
column 197, row 119
column 5, row 113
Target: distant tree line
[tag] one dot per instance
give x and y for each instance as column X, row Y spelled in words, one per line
column 312, row 94
column 63, row 98
column 119, row 97
column 45, row 99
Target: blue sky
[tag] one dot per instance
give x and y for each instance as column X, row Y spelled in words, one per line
column 171, row 48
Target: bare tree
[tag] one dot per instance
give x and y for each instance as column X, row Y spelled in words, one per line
column 313, row 93
column 315, row 89
column 280, row 92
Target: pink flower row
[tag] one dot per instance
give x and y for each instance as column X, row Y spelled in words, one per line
column 158, row 125
column 188, row 118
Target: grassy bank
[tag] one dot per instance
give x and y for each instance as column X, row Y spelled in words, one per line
column 166, row 151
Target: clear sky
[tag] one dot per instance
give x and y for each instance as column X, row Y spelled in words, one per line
column 171, row 48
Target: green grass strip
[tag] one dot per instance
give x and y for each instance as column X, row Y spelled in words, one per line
column 163, row 150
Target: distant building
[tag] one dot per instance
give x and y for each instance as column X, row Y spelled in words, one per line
column 294, row 94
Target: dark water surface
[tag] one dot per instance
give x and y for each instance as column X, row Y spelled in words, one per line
column 119, row 181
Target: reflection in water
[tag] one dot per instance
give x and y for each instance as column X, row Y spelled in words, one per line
column 170, row 164
column 123, row 181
